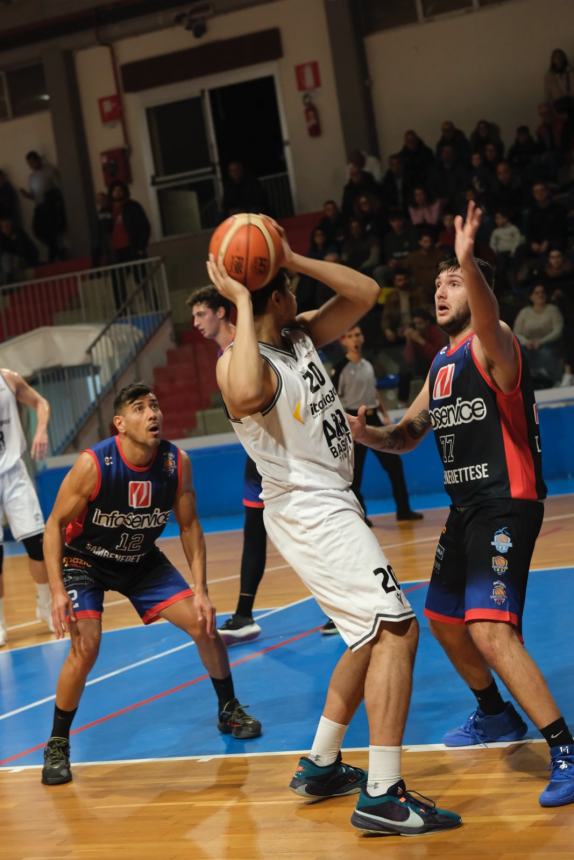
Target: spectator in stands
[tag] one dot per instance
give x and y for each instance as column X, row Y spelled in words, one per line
column 394, row 189
column 102, row 251
column 559, row 79
column 523, row 151
column 456, row 139
column 49, row 220
column 422, row 265
column 8, row 200
column 243, row 192
column 423, row 340
column 397, row 244
column 368, row 211
column 546, row 221
column 447, row 234
column 360, row 182
column 486, row 132
column 425, row 211
column 539, row 329
column 130, row 236
column 367, row 162
column 480, row 177
column 309, row 294
column 506, row 193
column 449, row 176
column 398, row 309
column 491, row 158
column 17, row 251
column 507, row 242
column 417, row 159
column 550, row 135
column 361, row 251
column 558, row 276
column 332, row 223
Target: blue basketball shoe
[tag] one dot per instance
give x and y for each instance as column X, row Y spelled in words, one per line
column 482, row 728
column 402, row 813
column 318, row 783
column 560, row 789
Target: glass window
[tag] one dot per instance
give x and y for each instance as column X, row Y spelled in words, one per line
column 443, row 7
column 27, row 90
column 383, row 14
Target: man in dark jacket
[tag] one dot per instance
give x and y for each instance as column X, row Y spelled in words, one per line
column 17, row 251
column 130, row 235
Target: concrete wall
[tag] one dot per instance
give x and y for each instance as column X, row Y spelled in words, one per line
column 488, row 64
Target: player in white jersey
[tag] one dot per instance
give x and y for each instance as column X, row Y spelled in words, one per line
column 290, row 421
column 18, row 499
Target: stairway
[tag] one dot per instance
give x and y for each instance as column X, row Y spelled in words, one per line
column 186, row 384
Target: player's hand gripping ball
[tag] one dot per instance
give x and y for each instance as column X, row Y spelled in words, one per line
column 250, row 248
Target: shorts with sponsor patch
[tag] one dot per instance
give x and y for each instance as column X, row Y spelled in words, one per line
column 252, row 486
column 19, row 503
column 323, row 536
column 482, row 562
column 155, row 586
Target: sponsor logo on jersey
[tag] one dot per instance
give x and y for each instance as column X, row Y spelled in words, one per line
column 326, row 400
column 498, row 594
column 476, row 472
column 455, row 414
column 169, row 465
column 440, row 551
column 502, row 541
column 297, row 413
column 499, row 564
column 130, row 520
column 139, row 494
column 108, row 461
column 443, row 382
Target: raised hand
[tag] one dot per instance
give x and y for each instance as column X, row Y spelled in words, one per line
column 466, row 233
column 223, row 282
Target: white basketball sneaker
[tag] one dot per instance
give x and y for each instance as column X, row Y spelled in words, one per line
column 3, row 635
column 44, row 613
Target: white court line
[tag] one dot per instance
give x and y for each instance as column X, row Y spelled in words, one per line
column 139, row 663
column 201, row 759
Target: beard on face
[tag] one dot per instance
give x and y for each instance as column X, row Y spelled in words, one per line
column 457, row 323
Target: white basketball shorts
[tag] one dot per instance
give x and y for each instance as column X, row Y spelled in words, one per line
column 19, row 503
column 325, row 539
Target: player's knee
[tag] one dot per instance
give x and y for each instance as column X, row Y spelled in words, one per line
column 491, row 638
column 85, row 650
column 34, row 546
column 445, row 632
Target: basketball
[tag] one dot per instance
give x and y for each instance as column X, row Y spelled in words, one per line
column 249, row 247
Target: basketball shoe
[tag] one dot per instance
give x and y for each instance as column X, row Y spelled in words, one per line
column 235, row 721
column 329, row 628
column 483, row 728
column 401, row 812
column 239, row 628
column 318, row 783
column 44, row 613
column 560, row 789
column 3, row 635
column 56, row 770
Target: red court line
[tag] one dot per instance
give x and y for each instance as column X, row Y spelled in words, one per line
column 162, row 695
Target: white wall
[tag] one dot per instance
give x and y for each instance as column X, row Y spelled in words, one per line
column 488, row 64
column 318, row 162
column 17, row 137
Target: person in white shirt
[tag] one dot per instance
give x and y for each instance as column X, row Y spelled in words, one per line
column 18, row 499
column 506, row 238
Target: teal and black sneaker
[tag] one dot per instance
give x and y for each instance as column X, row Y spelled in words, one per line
column 314, row 783
column 401, row 812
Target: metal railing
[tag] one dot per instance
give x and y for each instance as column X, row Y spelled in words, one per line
column 76, row 392
column 91, row 295
column 278, row 191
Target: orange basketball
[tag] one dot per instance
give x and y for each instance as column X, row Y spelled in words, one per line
column 249, row 247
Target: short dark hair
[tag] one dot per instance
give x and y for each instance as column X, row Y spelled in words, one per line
column 210, row 297
column 129, row 393
column 486, row 269
column 32, row 154
column 117, row 183
column 259, row 298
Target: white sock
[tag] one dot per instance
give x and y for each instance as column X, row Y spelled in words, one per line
column 2, row 619
column 43, row 592
column 384, row 769
column 327, row 743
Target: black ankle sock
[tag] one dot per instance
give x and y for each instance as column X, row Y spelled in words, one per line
column 557, row 734
column 62, row 723
column 224, row 690
column 489, row 700
column 245, row 605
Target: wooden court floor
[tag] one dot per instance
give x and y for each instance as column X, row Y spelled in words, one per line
column 238, row 808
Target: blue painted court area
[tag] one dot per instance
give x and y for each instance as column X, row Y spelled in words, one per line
column 149, row 696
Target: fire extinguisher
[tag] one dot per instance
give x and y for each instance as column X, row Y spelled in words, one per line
column 311, row 117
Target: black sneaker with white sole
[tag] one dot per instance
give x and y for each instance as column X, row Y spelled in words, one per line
column 235, row 721
column 329, row 628
column 57, row 770
column 239, row 628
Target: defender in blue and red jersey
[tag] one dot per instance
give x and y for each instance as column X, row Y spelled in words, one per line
column 479, row 401
column 114, row 505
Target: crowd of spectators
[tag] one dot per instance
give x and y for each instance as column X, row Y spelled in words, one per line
column 397, row 225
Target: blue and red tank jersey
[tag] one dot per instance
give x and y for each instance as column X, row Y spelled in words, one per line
column 489, row 441
column 130, row 505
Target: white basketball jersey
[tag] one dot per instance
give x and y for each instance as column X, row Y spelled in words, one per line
column 12, row 441
column 302, row 440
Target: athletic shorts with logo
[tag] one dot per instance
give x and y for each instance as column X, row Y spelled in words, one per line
column 482, row 562
column 252, row 486
column 19, row 503
column 323, row 536
column 153, row 586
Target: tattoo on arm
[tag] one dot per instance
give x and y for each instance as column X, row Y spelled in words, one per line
column 419, row 425
column 396, row 438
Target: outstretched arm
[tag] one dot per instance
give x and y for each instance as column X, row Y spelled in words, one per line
column 193, row 543
column 395, row 438
column 496, row 350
